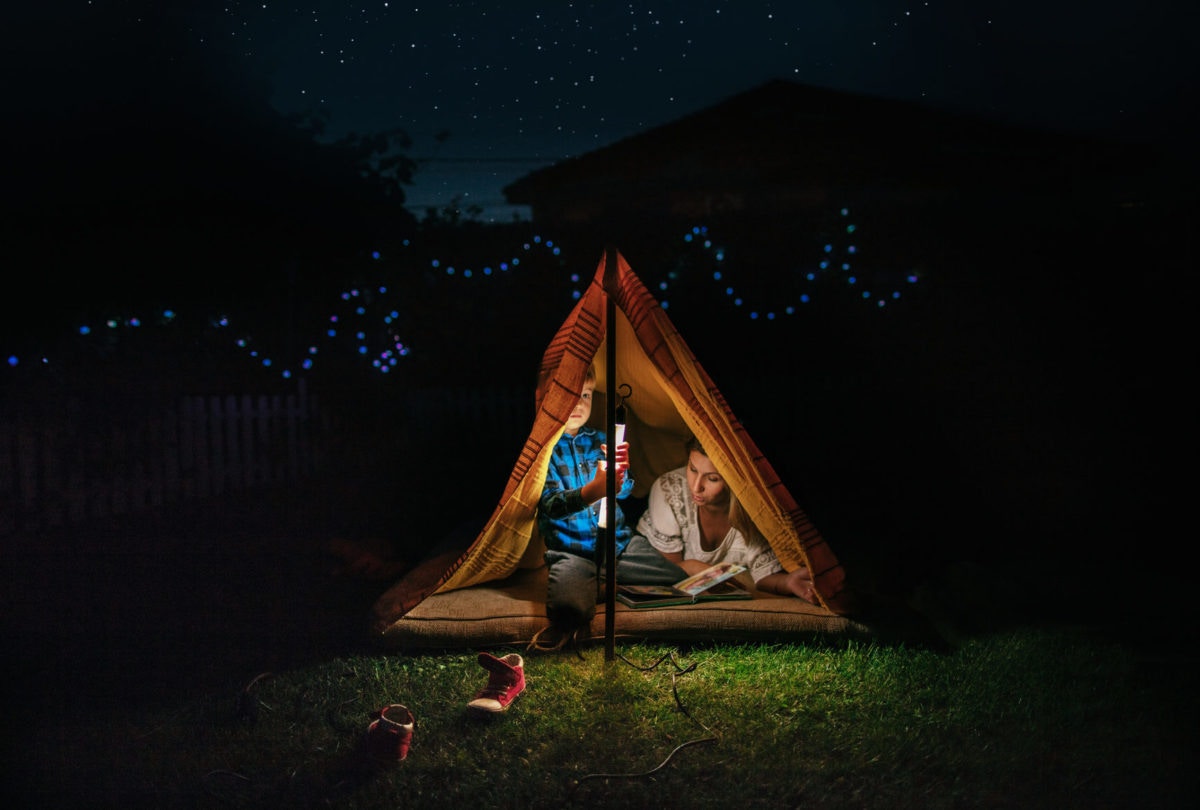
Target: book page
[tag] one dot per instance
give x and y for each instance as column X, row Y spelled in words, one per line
column 709, row 577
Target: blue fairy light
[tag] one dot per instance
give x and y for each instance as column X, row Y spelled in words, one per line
column 697, row 237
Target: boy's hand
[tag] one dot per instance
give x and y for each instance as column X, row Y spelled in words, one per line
column 620, row 457
column 595, row 489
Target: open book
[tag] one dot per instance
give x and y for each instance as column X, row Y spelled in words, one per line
column 710, row 584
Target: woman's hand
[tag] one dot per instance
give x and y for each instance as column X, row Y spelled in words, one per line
column 799, row 583
column 793, row 583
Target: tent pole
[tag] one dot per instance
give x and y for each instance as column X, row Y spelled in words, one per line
column 610, row 420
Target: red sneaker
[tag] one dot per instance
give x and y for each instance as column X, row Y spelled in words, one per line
column 389, row 737
column 506, row 680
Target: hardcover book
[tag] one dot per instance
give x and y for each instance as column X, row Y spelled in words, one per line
column 712, row 584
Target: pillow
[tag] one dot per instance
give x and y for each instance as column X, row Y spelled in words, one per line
column 511, row 611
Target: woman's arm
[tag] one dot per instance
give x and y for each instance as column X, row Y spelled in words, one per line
column 690, row 566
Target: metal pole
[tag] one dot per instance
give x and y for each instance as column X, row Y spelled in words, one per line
column 610, row 420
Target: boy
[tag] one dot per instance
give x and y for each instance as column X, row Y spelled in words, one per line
column 568, row 518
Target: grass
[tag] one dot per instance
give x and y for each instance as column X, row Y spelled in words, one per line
column 128, row 694
column 1026, row 718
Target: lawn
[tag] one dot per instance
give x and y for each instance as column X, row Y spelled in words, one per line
column 238, row 674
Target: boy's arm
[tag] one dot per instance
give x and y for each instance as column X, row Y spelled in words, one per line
column 557, row 502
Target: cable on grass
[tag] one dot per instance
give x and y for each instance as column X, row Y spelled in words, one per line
column 247, row 706
column 678, row 671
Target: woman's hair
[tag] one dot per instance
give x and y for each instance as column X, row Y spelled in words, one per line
column 737, row 514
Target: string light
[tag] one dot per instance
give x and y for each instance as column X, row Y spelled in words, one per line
column 384, row 359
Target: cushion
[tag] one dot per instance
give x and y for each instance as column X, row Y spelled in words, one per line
column 511, row 611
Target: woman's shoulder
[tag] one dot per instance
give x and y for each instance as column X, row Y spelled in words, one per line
column 670, row 476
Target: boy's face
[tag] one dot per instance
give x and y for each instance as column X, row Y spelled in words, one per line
column 583, row 409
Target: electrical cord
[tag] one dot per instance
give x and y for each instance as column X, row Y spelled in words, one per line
column 678, row 671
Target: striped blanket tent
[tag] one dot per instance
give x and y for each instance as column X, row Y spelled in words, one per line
column 667, row 397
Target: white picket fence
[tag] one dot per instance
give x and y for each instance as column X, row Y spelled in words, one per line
column 71, row 464
column 67, row 468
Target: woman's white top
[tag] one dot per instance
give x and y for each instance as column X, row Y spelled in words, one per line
column 671, row 523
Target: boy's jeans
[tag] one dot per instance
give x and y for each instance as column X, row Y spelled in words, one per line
column 571, row 590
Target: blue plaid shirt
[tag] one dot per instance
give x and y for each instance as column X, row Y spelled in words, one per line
column 565, row 521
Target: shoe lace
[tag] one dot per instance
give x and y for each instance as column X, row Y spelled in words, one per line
column 538, row 644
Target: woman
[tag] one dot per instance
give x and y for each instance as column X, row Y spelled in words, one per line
column 695, row 522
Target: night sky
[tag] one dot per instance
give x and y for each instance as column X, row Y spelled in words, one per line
column 488, row 92
column 519, row 85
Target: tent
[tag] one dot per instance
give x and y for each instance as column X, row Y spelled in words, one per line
column 667, row 396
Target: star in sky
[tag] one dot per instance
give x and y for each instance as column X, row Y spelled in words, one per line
column 518, row 86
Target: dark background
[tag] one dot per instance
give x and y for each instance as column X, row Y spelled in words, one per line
column 1027, row 408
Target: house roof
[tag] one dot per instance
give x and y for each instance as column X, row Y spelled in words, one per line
column 798, row 141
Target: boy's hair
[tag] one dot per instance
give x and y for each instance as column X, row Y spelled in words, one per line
column 543, row 379
column 737, row 515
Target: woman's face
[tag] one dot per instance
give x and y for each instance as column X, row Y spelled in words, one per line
column 705, row 484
